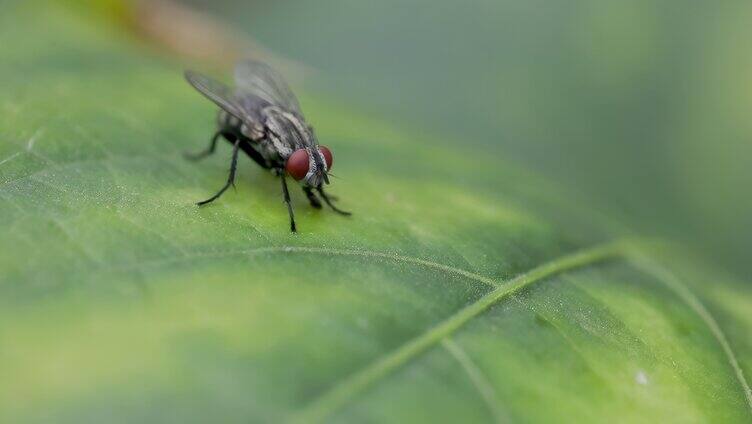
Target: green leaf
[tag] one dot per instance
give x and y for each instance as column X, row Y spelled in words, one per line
column 463, row 289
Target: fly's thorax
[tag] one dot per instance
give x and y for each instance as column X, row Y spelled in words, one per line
column 287, row 129
column 266, row 147
column 252, row 131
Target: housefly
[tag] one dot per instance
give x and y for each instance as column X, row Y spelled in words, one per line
column 261, row 116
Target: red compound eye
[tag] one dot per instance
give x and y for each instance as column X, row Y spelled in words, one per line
column 297, row 164
column 327, row 156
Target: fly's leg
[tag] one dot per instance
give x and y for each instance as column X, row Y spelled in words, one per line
column 315, row 203
column 231, row 178
column 328, row 201
column 287, row 201
column 204, row 153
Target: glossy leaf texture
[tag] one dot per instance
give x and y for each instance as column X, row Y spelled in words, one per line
column 463, row 288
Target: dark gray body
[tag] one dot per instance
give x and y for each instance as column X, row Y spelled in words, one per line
column 262, row 111
column 262, row 117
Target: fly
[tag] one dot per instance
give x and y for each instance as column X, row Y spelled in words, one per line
column 261, row 116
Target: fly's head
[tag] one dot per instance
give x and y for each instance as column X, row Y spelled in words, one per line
column 310, row 165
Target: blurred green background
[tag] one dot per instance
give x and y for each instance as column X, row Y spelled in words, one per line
column 642, row 107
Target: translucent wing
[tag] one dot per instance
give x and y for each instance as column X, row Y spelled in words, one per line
column 218, row 93
column 260, row 80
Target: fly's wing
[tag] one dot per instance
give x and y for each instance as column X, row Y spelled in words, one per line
column 260, row 80
column 220, row 94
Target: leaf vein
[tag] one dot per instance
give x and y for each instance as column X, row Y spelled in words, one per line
column 10, row 158
column 475, row 374
column 324, row 251
column 685, row 294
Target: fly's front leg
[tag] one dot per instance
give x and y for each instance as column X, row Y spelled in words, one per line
column 287, row 200
column 204, row 153
column 315, row 203
column 329, row 202
column 231, row 178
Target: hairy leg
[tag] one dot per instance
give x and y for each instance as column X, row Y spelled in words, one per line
column 328, row 201
column 204, row 153
column 315, row 203
column 230, row 178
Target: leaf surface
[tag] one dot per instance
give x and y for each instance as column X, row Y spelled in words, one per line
column 463, row 289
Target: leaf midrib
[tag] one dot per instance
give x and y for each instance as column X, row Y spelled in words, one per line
column 348, row 388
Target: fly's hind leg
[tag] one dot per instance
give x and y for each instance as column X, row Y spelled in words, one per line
column 328, row 201
column 230, row 178
column 312, row 199
column 208, row 151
